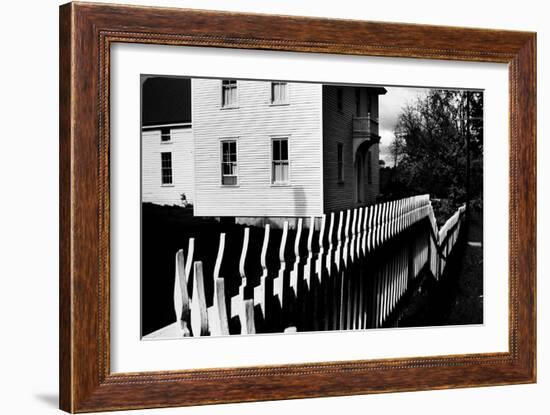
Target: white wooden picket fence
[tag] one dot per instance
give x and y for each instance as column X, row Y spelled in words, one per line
column 364, row 262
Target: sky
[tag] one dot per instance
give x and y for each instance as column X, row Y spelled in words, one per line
column 391, row 105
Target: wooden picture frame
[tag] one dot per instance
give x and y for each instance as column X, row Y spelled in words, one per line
column 86, row 33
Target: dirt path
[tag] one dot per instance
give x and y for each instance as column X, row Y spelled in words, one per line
column 458, row 297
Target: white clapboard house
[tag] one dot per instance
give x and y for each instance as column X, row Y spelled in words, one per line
column 252, row 149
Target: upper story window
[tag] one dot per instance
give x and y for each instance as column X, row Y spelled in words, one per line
column 280, row 162
column 165, row 135
column 229, row 93
column 166, row 168
column 279, row 92
column 229, row 162
column 357, row 102
column 340, row 99
column 340, row 165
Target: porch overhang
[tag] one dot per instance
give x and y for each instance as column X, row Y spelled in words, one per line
column 365, row 141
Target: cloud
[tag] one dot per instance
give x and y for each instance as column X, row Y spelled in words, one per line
column 391, row 105
column 386, row 137
column 393, row 102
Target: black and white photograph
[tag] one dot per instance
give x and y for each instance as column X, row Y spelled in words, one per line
column 273, row 206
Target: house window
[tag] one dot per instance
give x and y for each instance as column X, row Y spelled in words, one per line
column 229, row 93
column 229, row 162
column 166, row 168
column 165, row 135
column 279, row 92
column 340, row 99
column 340, row 163
column 369, row 167
column 357, row 102
column 280, row 166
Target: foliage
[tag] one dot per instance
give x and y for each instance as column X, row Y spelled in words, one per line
column 433, row 138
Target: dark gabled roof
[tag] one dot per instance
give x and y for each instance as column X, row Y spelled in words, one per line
column 165, row 100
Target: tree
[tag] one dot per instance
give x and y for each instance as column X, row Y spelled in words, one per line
column 438, row 147
column 397, row 146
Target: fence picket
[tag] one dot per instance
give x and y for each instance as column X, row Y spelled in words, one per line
column 278, row 281
column 222, row 310
column 237, row 307
column 353, row 235
column 181, row 296
column 319, row 260
column 330, row 245
column 249, row 326
column 199, row 315
column 370, row 245
column 216, row 312
column 189, row 259
column 357, row 270
column 297, row 260
column 305, row 284
column 309, row 260
column 320, row 311
column 338, row 255
column 365, row 230
column 259, row 293
column 331, row 274
column 345, row 254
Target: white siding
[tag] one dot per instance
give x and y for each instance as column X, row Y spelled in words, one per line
column 181, row 147
column 254, row 123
